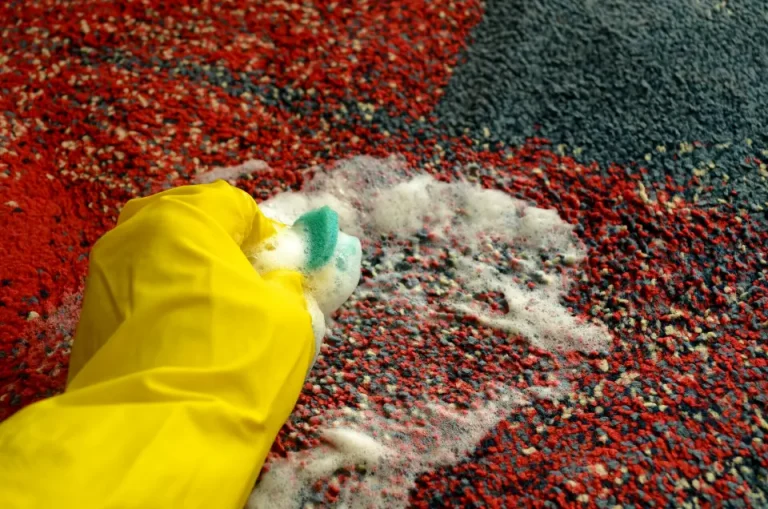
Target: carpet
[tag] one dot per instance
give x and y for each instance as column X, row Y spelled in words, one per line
column 642, row 123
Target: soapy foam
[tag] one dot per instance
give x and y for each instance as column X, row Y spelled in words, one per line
column 477, row 242
column 380, row 458
column 379, row 201
column 231, row 173
column 330, row 285
column 333, row 284
column 286, row 249
column 534, row 314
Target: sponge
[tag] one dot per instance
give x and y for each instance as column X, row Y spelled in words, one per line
column 330, row 261
column 321, row 227
column 333, row 283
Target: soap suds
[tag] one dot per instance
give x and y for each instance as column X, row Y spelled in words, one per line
column 436, row 250
column 372, row 461
column 60, row 322
column 387, row 205
column 232, row 173
column 328, row 286
column 286, row 249
column 534, row 314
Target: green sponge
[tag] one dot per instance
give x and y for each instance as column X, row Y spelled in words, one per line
column 322, row 231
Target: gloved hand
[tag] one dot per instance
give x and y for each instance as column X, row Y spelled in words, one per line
column 329, row 259
column 185, row 365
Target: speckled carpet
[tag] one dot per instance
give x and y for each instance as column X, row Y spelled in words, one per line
column 643, row 123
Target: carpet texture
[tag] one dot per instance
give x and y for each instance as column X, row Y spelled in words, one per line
column 642, row 123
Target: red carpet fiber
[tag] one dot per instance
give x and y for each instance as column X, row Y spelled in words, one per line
column 642, row 123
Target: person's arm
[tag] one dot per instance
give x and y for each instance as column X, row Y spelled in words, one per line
column 185, row 365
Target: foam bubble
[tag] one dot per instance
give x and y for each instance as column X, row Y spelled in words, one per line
column 333, row 284
column 288, row 207
column 232, row 173
column 330, row 285
column 434, row 248
column 381, row 458
column 287, row 249
column 386, row 204
column 535, row 314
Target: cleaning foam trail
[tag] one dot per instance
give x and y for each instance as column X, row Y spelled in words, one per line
column 389, row 206
column 380, row 458
column 437, row 250
column 231, row 173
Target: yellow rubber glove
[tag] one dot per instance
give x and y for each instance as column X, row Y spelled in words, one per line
column 185, row 365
